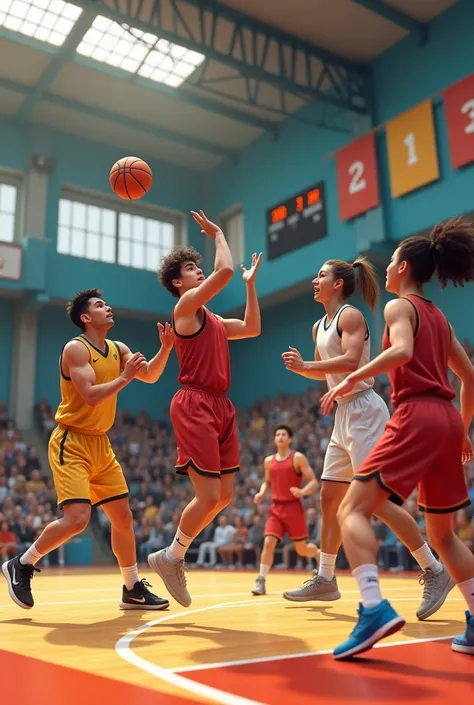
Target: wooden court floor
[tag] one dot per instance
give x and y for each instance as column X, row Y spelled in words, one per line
column 229, row 647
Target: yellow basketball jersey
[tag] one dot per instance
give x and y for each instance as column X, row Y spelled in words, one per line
column 73, row 410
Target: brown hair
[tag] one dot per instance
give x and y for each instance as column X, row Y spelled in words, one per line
column 448, row 251
column 170, row 267
column 368, row 284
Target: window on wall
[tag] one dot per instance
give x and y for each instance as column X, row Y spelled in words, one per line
column 104, row 234
column 232, row 223
column 8, row 199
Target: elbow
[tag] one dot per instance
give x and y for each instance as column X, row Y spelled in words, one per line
column 352, row 366
column 226, row 272
column 254, row 332
column 90, row 401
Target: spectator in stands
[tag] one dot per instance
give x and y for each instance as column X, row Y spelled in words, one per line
column 222, row 537
column 465, row 528
column 7, row 541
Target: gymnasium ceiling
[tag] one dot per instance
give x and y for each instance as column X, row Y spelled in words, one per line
column 251, row 65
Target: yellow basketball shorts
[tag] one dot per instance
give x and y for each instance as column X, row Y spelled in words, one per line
column 84, row 468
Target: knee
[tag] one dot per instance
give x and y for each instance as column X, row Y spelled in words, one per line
column 123, row 519
column 211, row 499
column 77, row 518
column 343, row 512
column 330, row 501
column 225, row 498
column 440, row 540
column 300, row 547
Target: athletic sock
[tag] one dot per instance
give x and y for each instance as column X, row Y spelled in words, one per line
column 264, row 570
column 178, row 548
column 368, row 581
column 426, row 560
column 31, row 556
column 327, row 562
column 130, row 575
column 467, row 589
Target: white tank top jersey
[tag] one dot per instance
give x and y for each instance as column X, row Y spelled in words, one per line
column 328, row 341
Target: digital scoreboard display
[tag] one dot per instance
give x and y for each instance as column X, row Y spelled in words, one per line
column 297, row 221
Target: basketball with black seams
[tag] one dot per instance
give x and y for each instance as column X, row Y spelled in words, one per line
column 130, row 178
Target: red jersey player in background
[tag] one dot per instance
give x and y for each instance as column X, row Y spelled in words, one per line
column 202, row 415
column 284, row 473
column 426, row 441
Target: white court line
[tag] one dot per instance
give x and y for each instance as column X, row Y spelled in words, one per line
column 173, row 677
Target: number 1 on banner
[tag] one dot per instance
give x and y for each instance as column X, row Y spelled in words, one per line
column 409, row 142
column 357, row 183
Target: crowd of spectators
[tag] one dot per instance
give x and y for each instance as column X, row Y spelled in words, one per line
column 146, row 450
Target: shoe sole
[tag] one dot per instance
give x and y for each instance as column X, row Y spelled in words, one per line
column 463, row 649
column 154, row 565
column 255, row 592
column 438, row 604
column 391, row 627
column 330, row 597
column 11, row 592
column 138, row 606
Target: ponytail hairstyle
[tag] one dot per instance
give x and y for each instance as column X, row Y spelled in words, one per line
column 448, row 251
column 369, row 287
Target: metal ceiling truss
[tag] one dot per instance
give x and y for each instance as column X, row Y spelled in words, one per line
column 378, row 7
column 250, row 49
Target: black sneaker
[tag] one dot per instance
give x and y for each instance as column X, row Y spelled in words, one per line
column 18, row 577
column 140, row 598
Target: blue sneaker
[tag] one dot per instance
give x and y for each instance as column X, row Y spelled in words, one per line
column 465, row 642
column 374, row 624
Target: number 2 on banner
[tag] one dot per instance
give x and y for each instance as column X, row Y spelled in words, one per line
column 357, row 183
column 468, row 109
column 409, row 142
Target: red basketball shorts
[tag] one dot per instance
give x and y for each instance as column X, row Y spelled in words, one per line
column 421, row 447
column 206, row 433
column 287, row 518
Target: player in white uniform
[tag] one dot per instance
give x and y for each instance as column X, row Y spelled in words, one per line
column 342, row 344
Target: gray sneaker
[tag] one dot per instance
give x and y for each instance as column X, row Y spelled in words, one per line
column 316, row 588
column 260, row 588
column 172, row 574
column 435, row 591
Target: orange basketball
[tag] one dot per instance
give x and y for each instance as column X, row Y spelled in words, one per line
column 130, row 178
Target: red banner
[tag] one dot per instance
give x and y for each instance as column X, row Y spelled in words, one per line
column 357, row 179
column 459, row 108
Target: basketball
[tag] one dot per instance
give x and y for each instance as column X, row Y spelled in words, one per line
column 130, row 178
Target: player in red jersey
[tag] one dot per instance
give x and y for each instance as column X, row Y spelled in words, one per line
column 284, row 473
column 426, row 441
column 202, row 415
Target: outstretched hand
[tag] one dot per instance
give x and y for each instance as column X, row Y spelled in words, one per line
column 249, row 275
column 207, row 226
column 166, row 335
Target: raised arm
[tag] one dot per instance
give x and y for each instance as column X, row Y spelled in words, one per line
column 353, row 333
column 250, row 327
column 192, row 300
column 266, row 484
column 155, row 367
column 76, row 365
column 303, row 467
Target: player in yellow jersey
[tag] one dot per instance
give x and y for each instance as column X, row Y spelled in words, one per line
column 86, row 472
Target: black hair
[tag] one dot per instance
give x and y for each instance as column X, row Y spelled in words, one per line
column 170, row 267
column 284, row 427
column 79, row 304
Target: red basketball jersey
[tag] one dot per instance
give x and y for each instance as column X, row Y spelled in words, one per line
column 283, row 475
column 427, row 371
column 203, row 357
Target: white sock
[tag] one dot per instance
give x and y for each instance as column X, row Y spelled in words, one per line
column 367, row 577
column 178, row 548
column 31, row 556
column 130, row 576
column 264, row 570
column 327, row 561
column 467, row 589
column 425, row 559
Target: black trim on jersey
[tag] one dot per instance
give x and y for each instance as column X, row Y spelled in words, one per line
column 339, row 332
column 298, row 472
column 101, row 352
column 333, row 318
column 74, row 501
column 318, row 323
column 68, row 379
column 118, row 351
column 447, row 510
column 61, row 447
column 110, row 499
column 193, row 335
column 417, row 315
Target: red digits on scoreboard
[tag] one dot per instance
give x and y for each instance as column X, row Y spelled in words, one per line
column 313, row 196
column 299, row 204
column 278, row 214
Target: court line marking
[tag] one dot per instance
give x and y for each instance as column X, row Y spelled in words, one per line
column 173, row 676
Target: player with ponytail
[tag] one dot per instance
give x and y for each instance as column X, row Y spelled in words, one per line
column 342, row 345
column 426, row 441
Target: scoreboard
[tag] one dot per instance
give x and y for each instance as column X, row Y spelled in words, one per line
column 297, row 221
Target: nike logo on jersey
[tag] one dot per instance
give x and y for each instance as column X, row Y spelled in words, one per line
column 15, row 581
column 95, row 360
column 136, row 599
